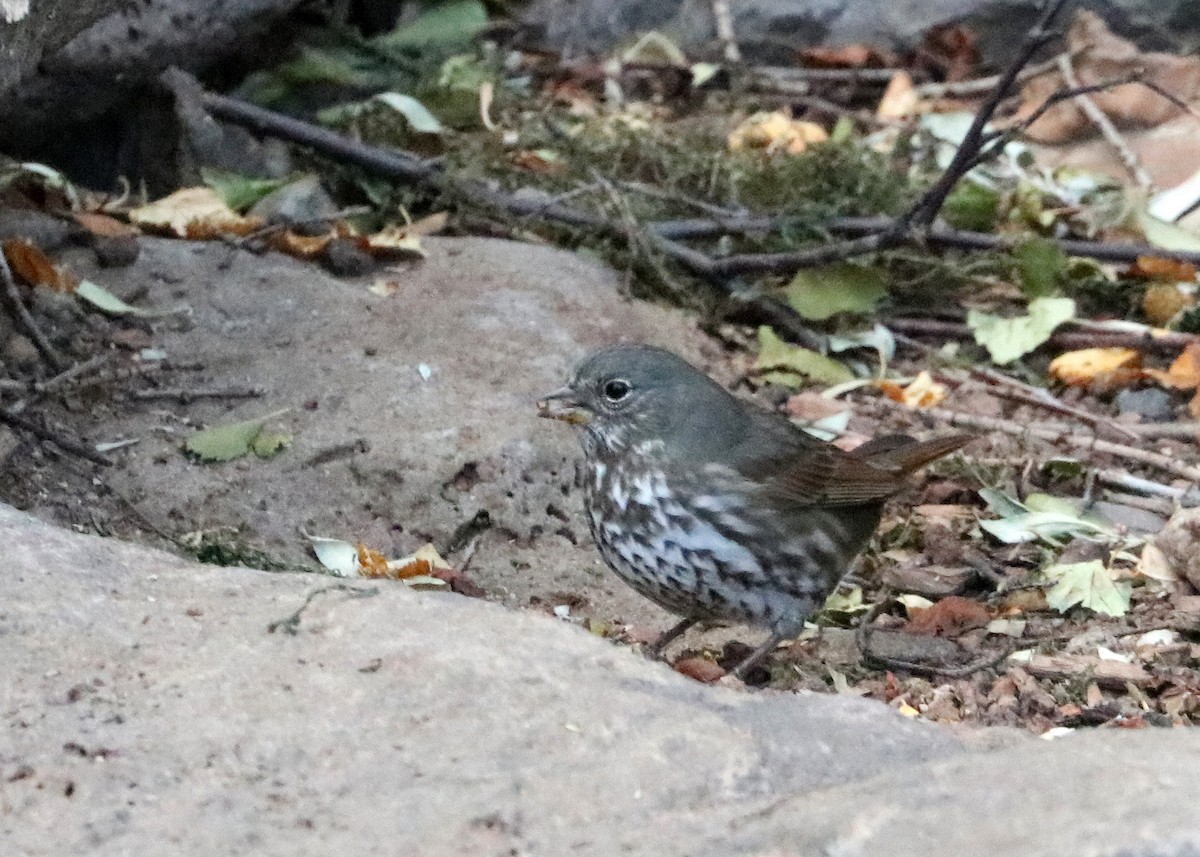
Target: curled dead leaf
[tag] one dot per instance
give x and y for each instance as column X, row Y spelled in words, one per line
column 774, row 133
column 900, row 100
column 921, row 392
column 1096, row 367
column 701, row 669
column 198, row 213
column 1184, row 371
column 1166, row 270
column 1163, row 301
column 950, row 617
column 300, row 246
column 33, row 267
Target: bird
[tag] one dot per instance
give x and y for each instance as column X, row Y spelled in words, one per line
column 714, row 508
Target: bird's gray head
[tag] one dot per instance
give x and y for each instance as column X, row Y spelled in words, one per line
column 628, row 395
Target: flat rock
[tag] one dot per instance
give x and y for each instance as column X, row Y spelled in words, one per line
column 149, row 701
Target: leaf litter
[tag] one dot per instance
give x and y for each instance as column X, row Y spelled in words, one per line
column 809, row 168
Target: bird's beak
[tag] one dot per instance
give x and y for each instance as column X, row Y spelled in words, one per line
column 563, row 405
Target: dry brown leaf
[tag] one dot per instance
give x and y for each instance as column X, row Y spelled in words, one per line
column 198, row 213
column 1102, row 56
column 104, row 225
column 900, row 100
column 701, row 669
column 539, row 161
column 300, row 246
column 34, row 267
column 950, row 617
column 847, row 56
column 951, row 51
column 774, row 133
column 426, row 562
column 1096, row 367
column 392, row 242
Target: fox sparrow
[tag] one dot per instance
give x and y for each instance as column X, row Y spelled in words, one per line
column 716, row 509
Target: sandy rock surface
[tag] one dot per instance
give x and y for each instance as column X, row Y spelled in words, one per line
column 147, row 702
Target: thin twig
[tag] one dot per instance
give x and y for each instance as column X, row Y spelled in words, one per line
column 1043, row 398
column 982, row 85
column 186, row 395
column 63, row 443
column 725, row 34
column 1067, row 339
column 1165, row 463
column 925, row 211
column 25, row 318
column 1098, row 118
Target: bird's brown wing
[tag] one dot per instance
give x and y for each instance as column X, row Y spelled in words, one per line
column 809, row 472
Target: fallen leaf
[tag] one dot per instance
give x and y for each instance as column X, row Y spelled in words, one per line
column 699, row 668
column 393, row 242
column 425, row 562
column 790, row 365
column 371, row 563
column 1088, row 584
column 1165, row 270
column 227, row 442
column 921, row 392
column 847, row 56
column 1039, row 520
column 900, row 100
column 104, row 225
column 1153, row 563
column 775, row 132
column 239, row 191
column 1184, row 371
column 338, row 556
column 301, row 246
column 542, row 162
column 33, row 267
column 198, row 213
column 1006, row 339
column 950, row 617
column 1104, row 368
column 105, row 301
column 821, row 293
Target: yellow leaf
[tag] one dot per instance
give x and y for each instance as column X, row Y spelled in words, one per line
column 900, row 99
column 775, row 132
column 1095, row 366
column 1184, row 372
column 194, row 212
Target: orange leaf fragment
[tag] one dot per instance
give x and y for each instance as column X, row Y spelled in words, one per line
column 300, row 246
column 104, row 226
column 371, row 563
column 1183, row 373
column 34, row 267
column 949, row 617
column 426, row 562
column 1163, row 301
column 1090, row 367
column 921, row 392
column 1167, row 270
column 700, row 669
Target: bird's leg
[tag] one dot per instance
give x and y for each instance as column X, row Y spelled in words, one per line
column 670, row 635
column 758, row 654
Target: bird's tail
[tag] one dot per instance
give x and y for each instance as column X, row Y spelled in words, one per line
column 902, row 454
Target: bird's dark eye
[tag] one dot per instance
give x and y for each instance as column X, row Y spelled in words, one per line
column 616, row 390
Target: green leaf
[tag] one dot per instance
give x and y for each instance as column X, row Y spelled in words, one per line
column 225, row 443
column 105, row 301
column 1006, row 339
column 1041, row 264
column 239, row 191
column 819, row 293
column 415, row 114
column 789, row 365
column 440, row 27
column 971, row 206
column 270, row 444
column 1088, row 584
column 1042, row 517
